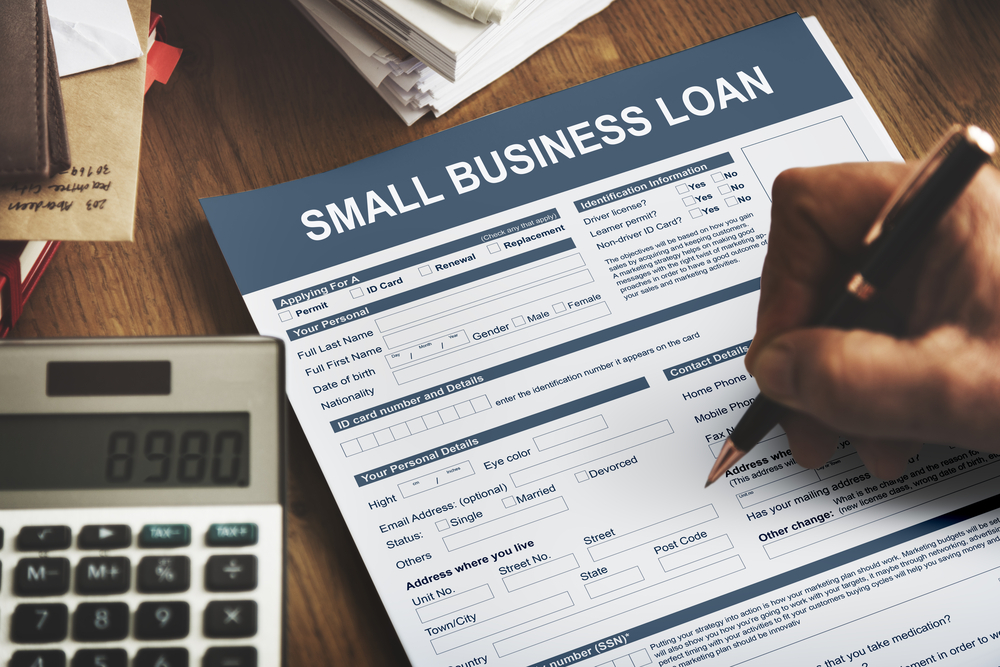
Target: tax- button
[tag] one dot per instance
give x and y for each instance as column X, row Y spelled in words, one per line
column 165, row 535
column 44, row 538
column 231, row 573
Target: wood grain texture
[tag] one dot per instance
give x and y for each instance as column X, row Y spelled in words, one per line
column 259, row 98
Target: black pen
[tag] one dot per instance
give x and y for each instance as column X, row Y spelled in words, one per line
column 907, row 219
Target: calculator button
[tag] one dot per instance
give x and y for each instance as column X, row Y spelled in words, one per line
column 38, row 659
column 231, row 573
column 44, row 538
column 100, row 621
column 161, row 657
column 103, row 576
column 39, row 623
column 162, row 620
column 235, row 618
column 165, row 535
column 230, row 656
column 164, row 574
column 100, row 657
column 231, row 534
column 41, row 576
column 104, row 537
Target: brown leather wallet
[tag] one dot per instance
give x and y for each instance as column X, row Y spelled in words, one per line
column 33, row 142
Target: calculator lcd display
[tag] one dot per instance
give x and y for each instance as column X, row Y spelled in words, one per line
column 108, row 451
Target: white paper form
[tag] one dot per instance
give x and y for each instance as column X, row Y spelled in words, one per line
column 517, row 358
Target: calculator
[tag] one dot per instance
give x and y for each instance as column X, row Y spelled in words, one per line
column 142, row 502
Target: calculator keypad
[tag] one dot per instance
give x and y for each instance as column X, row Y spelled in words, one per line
column 143, row 593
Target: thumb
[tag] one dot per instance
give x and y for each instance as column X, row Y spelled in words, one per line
column 943, row 387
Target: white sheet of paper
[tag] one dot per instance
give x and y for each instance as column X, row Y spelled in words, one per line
column 92, row 33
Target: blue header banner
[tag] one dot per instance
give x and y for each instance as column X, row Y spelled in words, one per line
column 650, row 112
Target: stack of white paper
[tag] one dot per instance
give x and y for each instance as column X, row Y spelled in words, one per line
column 449, row 62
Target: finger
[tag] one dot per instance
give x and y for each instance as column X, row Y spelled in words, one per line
column 886, row 459
column 812, row 442
column 940, row 388
column 815, row 230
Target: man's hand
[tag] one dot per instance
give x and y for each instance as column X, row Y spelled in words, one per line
column 937, row 379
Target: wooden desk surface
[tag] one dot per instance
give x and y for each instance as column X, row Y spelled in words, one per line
column 260, row 98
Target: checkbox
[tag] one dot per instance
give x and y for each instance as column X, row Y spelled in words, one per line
column 724, row 189
column 582, row 476
column 731, row 201
column 509, row 502
column 285, row 315
column 717, row 177
column 695, row 213
column 559, row 307
column 518, row 321
column 493, row 248
column 441, row 525
column 426, row 270
column 681, row 189
column 357, row 293
column 688, row 201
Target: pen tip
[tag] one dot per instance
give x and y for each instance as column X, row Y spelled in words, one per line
column 727, row 457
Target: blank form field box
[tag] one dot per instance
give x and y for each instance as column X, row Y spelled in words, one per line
column 582, row 476
column 368, row 442
column 541, row 572
column 357, row 293
column 480, row 630
column 351, row 447
column 454, row 603
column 448, row 414
column 640, row 658
column 559, row 307
column 731, row 201
column 441, row 525
column 509, row 502
column 572, row 432
column 285, row 315
column 694, row 553
column 481, row 403
column 506, row 523
column 681, row 189
column 518, row 321
column 493, row 248
column 828, row 142
column 614, row 582
column 724, row 189
column 718, row 177
column 695, row 213
column 426, row 270
column 688, row 201
column 652, row 533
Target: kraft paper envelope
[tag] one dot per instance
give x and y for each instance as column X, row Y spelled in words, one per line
column 95, row 199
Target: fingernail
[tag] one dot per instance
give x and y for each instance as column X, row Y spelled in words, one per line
column 774, row 371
